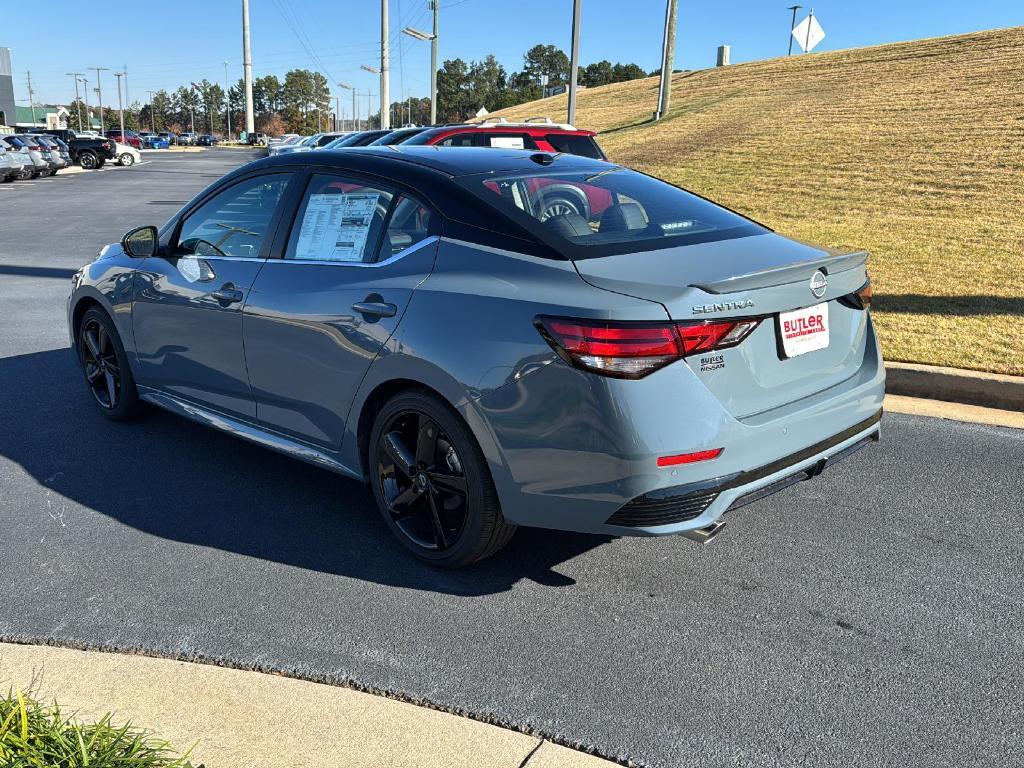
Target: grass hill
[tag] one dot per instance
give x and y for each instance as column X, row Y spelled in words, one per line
column 914, row 151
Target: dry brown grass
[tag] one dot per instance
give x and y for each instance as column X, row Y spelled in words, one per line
column 914, row 151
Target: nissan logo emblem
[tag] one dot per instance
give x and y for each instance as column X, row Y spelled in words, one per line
column 818, row 284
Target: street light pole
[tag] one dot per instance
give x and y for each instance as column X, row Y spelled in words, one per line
column 120, row 104
column 227, row 97
column 99, row 91
column 347, row 87
column 78, row 99
column 85, row 95
column 385, row 89
column 574, row 65
column 152, row 112
column 419, row 35
column 250, row 122
column 792, row 26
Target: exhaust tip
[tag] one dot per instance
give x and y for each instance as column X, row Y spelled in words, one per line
column 705, row 534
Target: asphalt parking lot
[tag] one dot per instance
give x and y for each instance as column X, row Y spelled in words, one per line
column 871, row 617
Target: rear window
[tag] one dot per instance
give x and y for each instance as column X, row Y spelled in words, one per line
column 606, row 212
column 575, row 144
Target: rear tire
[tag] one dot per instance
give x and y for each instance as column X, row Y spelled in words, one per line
column 441, row 504
column 105, row 366
column 126, row 160
column 88, row 160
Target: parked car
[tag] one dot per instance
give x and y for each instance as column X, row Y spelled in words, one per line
column 187, row 139
column 284, row 138
column 40, row 165
column 397, row 136
column 256, row 139
column 207, row 140
column 638, row 370
column 8, row 171
column 20, row 158
column 153, row 141
column 128, row 137
column 86, row 150
column 287, row 147
column 310, row 143
column 127, row 155
column 65, row 151
column 539, row 134
column 51, row 153
column 169, row 136
column 355, row 139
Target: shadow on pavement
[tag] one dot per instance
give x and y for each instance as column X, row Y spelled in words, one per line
column 181, row 481
column 23, row 271
column 957, row 306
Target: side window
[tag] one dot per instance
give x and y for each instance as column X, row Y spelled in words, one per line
column 410, row 222
column 340, row 220
column 459, row 140
column 509, row 141
column 236, row 221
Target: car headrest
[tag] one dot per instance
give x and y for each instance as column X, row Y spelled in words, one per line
column 622, row 217
column 569, row 225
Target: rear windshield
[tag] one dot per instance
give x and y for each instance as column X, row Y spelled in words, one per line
column 606, row 212
column 575, row 144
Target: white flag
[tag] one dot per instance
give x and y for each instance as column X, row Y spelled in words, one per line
column 808, row 34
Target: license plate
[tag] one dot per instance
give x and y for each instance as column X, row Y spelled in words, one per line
column 804, row 330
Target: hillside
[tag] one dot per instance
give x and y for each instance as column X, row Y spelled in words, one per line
column 914, row 151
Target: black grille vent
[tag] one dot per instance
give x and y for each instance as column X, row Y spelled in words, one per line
column 663, row 508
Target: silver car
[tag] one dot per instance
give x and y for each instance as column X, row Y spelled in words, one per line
column 52, row 153
column 32, row 159
column 7, row 170
column 633, row 361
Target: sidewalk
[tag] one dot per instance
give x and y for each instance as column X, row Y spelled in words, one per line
column 239, row 719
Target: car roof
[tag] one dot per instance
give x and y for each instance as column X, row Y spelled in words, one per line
column 450, row 161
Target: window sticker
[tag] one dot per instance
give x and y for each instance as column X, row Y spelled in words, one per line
column 335, row 226
column 507, row 142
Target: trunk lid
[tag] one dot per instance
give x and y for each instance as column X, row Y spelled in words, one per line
column 758, row 276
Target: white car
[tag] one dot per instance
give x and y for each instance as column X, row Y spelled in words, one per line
column 126, row 154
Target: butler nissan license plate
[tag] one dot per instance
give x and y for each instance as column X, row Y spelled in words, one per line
column 804, row 330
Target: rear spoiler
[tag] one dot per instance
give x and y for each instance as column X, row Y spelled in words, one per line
column 790, row 273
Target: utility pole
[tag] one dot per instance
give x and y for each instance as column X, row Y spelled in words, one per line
column 31, row 101
column 227, row 97
column 120, row 104
column 126, row 99
column 78, row 99
column 85, row 95
column 250, row 123
column 152, row 112
column 433, row 67
column 792, row 26
column 99, row 91
column 385, row 89
column 668, row 55
column 574, row 64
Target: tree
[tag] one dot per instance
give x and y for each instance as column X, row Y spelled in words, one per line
column 546, row 60
column 624, row 72
column 487, row 83
column 452, row 91
column 185, row 102
column 598, row 73
column 305, row 101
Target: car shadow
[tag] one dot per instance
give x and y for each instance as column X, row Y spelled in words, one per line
column 957, row 306
column 178, row 480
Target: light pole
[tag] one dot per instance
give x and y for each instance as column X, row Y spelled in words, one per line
column 152, row 112
column 369, row 104
column 227, row 97
column 574, row 65
column 85, row 96
column 385, row 88
column 250, row 122
column 78, row 99
column 420, row 35
column 99, row 91
column 120, row 104
column 668, row 53
column 355, row 110
column 792, row 26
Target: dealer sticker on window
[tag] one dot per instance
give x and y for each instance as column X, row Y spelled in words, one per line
column 804, row 330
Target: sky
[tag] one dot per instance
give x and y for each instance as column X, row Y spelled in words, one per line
column 167, row 44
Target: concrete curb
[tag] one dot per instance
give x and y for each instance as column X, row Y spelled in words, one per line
column 240, row 719
column 991, row 390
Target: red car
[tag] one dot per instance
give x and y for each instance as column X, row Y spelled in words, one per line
column 129, row 137
column 537, row 133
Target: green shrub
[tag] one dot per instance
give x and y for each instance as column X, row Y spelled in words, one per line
column 36, row 736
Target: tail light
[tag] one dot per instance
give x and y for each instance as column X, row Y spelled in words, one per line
column 631, row 350
column 859, row 299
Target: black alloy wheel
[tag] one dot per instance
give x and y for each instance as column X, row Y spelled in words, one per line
column 99, row 360
column 432, row 484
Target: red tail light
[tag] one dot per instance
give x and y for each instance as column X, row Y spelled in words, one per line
column 689, row 458
column 631, row 350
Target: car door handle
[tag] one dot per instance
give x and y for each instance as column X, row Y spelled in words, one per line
column 378, row 308
column 227, row 295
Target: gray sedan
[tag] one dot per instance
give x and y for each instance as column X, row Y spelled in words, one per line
column 491, row 338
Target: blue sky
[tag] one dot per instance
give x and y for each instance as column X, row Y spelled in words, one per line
column 167, row 44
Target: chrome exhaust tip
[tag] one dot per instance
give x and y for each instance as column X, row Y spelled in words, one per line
column 705, row 534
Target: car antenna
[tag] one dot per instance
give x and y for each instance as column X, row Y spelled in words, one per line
column 542, row 158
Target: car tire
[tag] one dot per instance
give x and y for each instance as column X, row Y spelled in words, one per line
column 436, row 495
column 105, row 367
column 555, row 204
column 88, row 160
column 126, row 160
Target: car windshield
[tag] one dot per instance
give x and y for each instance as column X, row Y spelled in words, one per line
column 608, row 210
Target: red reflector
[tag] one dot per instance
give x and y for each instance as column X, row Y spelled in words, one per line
column 689, row 458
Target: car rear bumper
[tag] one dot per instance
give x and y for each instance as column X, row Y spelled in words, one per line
column 574, row 451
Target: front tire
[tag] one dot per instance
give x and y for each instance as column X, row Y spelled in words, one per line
column 105, row 365
column 432, row 484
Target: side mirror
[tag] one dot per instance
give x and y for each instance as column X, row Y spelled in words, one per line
column 141, row 243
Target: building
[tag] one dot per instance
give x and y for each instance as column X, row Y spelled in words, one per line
column 8, row 111
column 47, row 116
